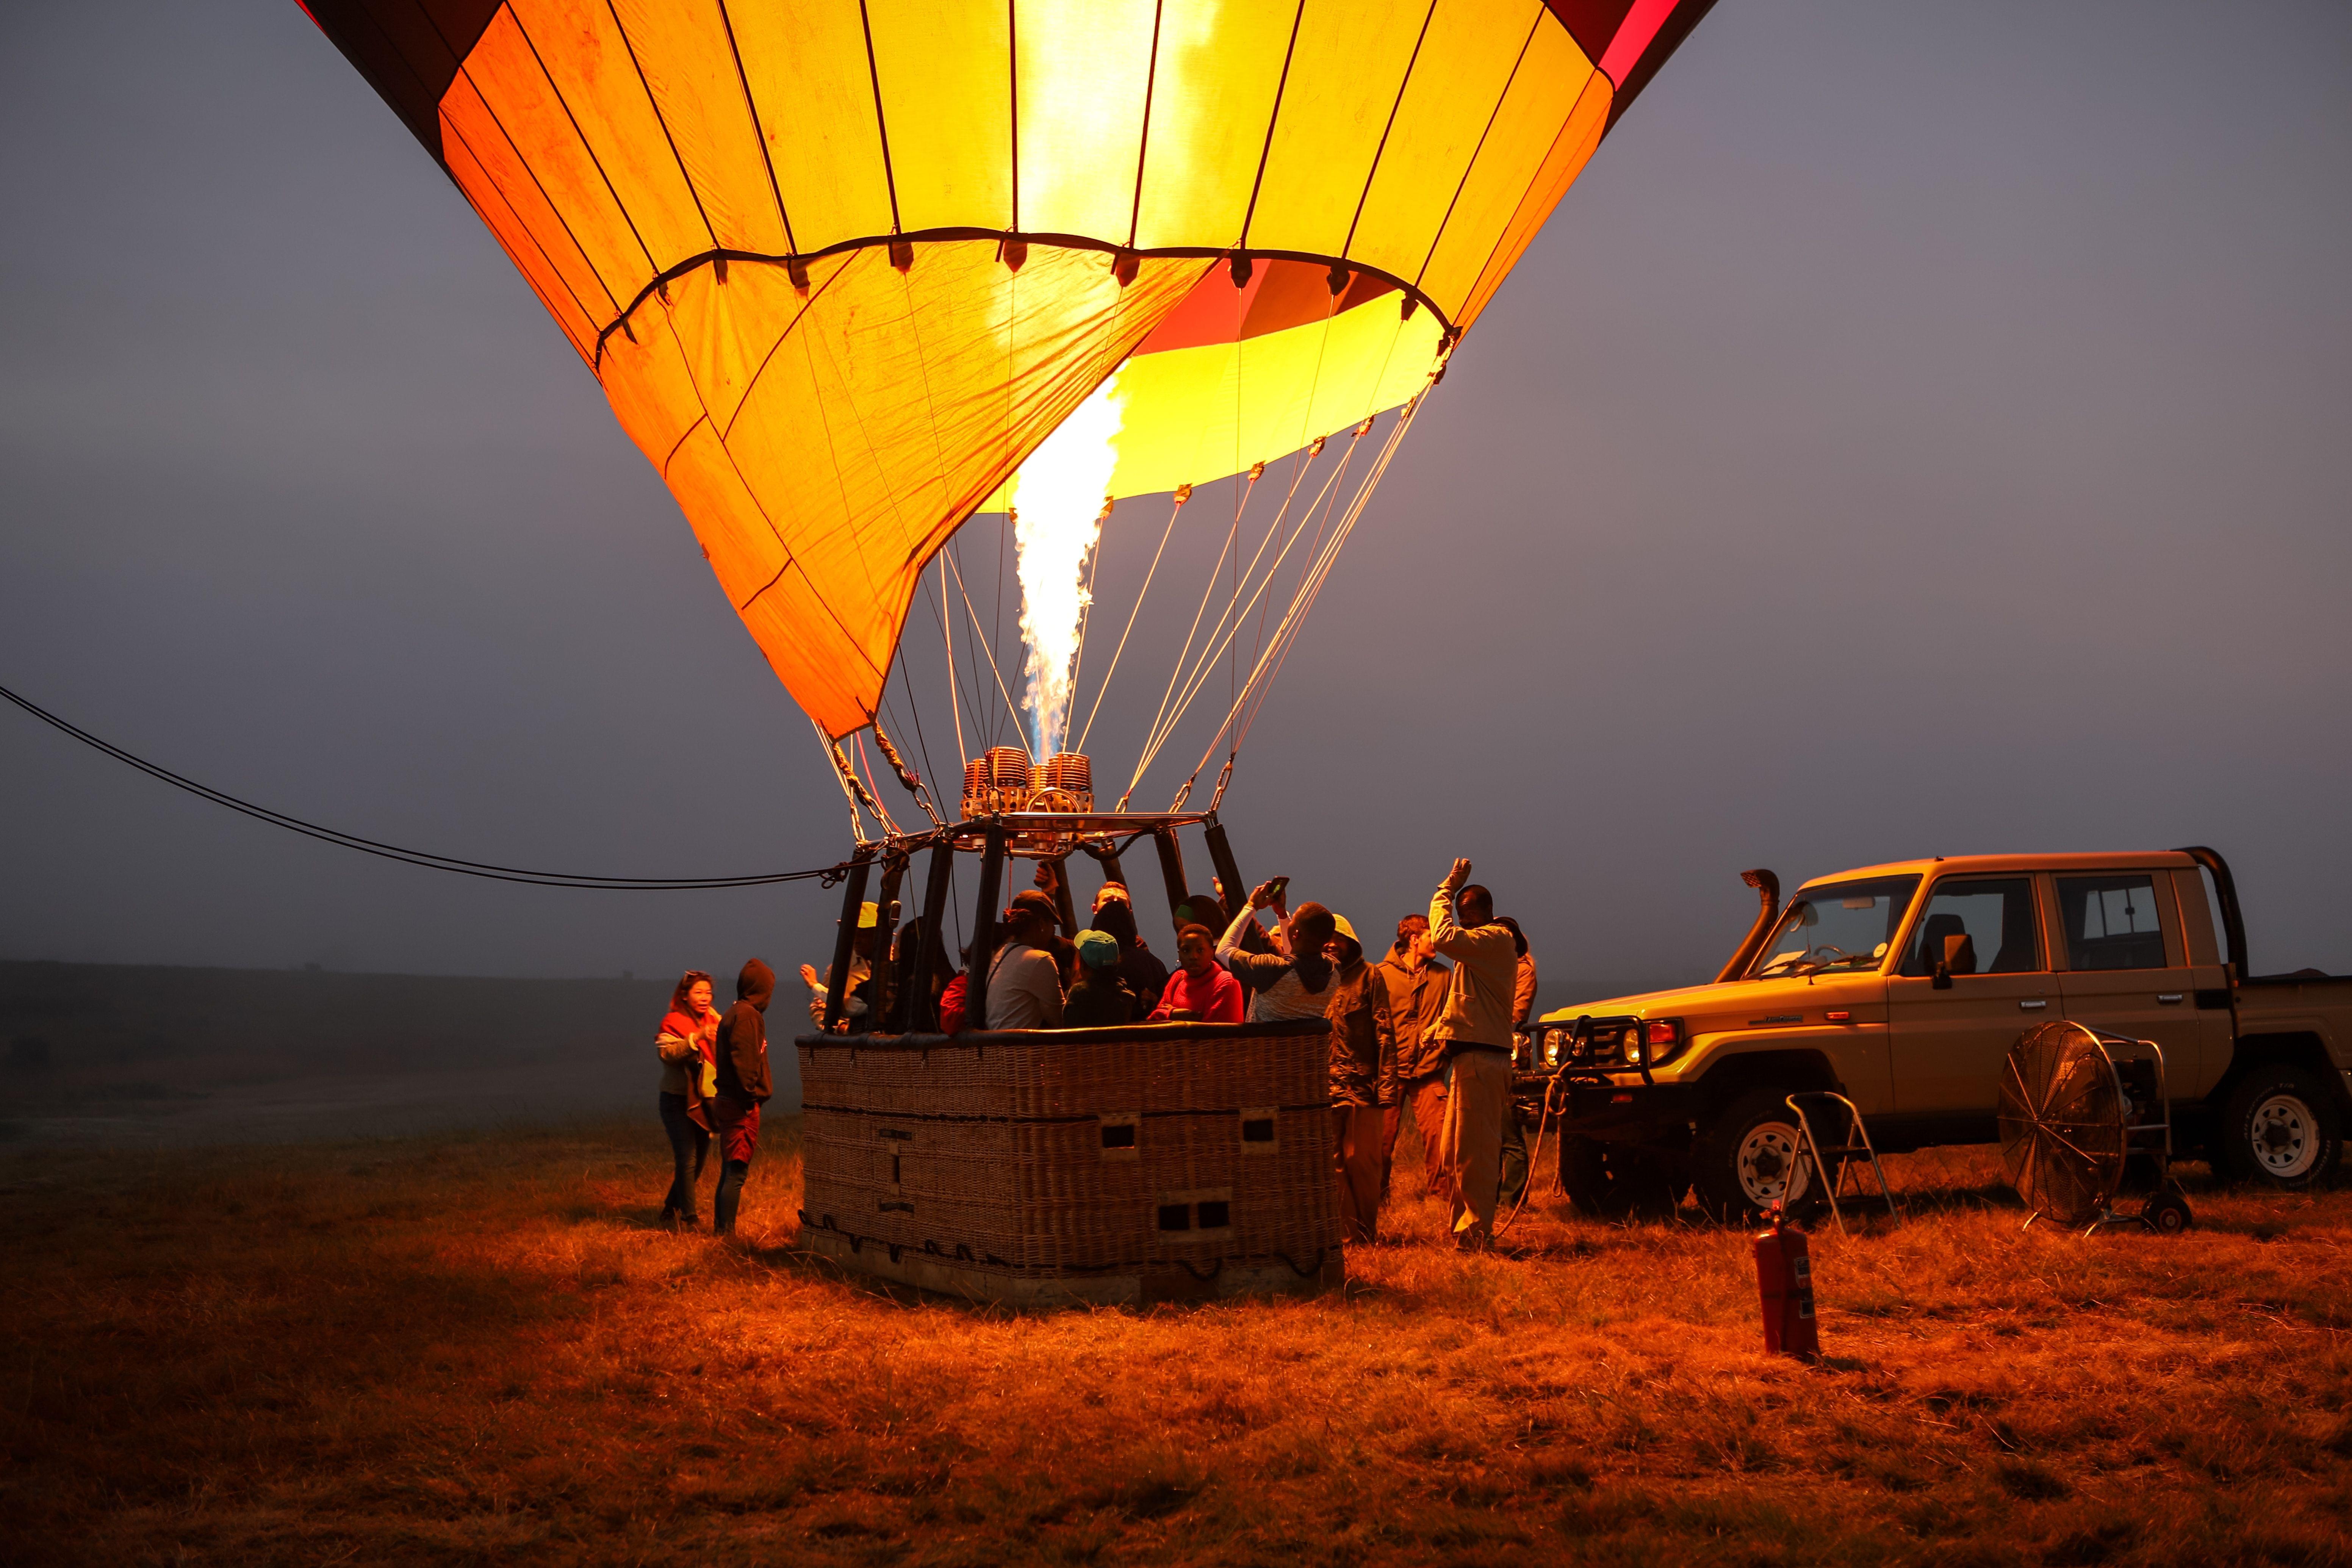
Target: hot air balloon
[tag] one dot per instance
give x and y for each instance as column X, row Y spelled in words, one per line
column 844, row 266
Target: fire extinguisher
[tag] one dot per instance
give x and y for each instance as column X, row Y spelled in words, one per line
column 1784, row 1278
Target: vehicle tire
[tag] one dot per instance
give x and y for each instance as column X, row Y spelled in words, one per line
column 2167, row 1212
column 1744, row 1157
column 2280, row 1128
column 1612, row 1180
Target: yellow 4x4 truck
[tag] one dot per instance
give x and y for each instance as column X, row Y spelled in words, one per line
column 1902, row 988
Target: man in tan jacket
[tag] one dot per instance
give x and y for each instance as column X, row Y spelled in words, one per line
column 1475, row 1025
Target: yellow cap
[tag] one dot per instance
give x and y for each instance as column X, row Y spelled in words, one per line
column 868, row 917
column 1339, row 924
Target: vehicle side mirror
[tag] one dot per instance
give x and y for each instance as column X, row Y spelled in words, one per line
column 1943, row 981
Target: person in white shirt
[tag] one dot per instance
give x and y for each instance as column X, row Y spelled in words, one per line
column 1024, row 983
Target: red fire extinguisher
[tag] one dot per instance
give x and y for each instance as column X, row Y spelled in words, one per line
column 1784, row 1278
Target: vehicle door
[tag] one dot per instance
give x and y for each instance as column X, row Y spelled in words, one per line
column 1949, row 1041
column 2128, row 970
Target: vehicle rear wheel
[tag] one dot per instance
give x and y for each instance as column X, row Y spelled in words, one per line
column 2279, row 1127
column 1611, row 1181
column 1745, row 1158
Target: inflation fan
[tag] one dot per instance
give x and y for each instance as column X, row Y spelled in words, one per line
column 2075, row 1107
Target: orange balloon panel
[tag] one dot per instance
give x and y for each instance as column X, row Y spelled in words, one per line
column 842, row 265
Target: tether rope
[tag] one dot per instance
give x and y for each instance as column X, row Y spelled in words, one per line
column 424, row 858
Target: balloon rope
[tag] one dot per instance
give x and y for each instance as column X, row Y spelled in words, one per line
column 955, row 677
column 968, row 610
column 1183, row 494
column 1208, row 592
column 422, row 857
column 1252, row 693
column 1203, row 667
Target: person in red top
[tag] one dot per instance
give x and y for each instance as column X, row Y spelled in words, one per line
column 689, row 1047
column 1202, row 989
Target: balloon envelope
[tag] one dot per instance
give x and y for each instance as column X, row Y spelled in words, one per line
column 841, row 265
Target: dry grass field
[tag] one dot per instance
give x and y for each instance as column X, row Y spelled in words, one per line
column 480, row 1349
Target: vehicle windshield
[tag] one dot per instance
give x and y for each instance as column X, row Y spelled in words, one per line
column 1840, row 925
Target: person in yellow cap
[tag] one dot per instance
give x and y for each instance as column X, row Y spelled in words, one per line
column 1363, row 1078
column 860, row 989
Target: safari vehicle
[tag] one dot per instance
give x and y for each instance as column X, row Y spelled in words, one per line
column 1903, row 987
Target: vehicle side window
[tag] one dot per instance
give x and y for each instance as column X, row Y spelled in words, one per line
column 1997, row 917
column 2111, row 921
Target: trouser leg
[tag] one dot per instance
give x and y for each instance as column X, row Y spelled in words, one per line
column 685, row 1160
column 731, row 1194
column 1356, row 1163
column 1514, row 1160
column 1429, row 1125
column 1392, row 1123
column 739, row 1136
column 1472, row 1140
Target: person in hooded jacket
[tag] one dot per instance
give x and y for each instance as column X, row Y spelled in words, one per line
column 1416, row 983
column 686, row 1044
column 743, row 1087
column 1294, row 981
column 1363, row 1077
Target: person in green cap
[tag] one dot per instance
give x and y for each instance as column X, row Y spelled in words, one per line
column 1099, row 997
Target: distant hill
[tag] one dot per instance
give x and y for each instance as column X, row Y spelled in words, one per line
column 142, row 1052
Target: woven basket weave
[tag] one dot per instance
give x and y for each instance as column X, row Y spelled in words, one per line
column 1144, row 1163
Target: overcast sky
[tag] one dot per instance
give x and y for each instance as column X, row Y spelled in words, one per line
column 1922, row 430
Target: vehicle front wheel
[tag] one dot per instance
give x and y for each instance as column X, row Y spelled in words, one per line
column 1745, row 1158
column 2279, row 1127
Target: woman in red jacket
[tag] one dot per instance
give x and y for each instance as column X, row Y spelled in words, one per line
column 688, row 1045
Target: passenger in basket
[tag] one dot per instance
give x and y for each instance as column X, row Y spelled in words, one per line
column 1363, row 1077
column 1292, row 983
column 860, row 989
column 1201, row 991
column 1137, row 964
column 743, row 1087
column 1475, row 1029
column 1024, row 983
column 1416, row 985
column 688, row 1046
column 953, row 1018
column 1100, row 998
column 905, row 1015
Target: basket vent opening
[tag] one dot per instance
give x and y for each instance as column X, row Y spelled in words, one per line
column 1258, row 1130
column 1118, row 1135
column 1175, row 1216
column 1215, row 1215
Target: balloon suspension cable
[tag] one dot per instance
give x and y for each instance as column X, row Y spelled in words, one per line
column 965, row 594
column 1236, row 613
column 1251, row 698
column 873, row 790
column 907, row 776
column 851, row 788
column 1183, row 494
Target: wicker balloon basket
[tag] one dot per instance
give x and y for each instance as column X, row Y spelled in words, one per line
column 1154, row 1162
